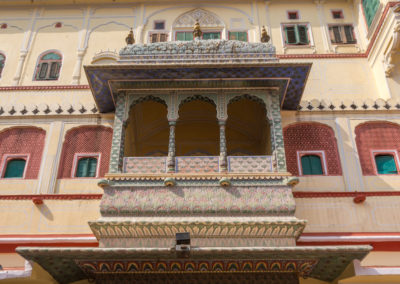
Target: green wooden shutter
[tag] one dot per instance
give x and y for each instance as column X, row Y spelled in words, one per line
column 385, row 164
column 87, row 167
column 180, row 36
column 302, row 34
column 92, row 167
column 15, row 168
column 233, row 35
column 349, row 33
column 311, row 165
column 42, row 70
column 54, row 68
column 212, row 35
column 242, row 36
column 82, row 168
column 291, row 37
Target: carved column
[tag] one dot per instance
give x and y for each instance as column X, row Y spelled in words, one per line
column 118, row 139
column 222, row 116
column 172, row 118
column 223, row 163
column 278, row 148
column 171, row 147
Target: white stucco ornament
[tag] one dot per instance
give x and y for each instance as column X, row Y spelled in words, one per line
column 205, row 19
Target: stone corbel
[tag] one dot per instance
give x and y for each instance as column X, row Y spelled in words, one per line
column 392, row 50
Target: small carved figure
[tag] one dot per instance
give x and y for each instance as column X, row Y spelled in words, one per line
column 264, row 35
column 130, row 38
column 196, row 30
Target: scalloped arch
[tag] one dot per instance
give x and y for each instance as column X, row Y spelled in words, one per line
column 205, row 18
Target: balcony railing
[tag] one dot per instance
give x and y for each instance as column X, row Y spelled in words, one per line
column 198, row 164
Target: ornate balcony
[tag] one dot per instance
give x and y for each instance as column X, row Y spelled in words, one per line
column 198, row 164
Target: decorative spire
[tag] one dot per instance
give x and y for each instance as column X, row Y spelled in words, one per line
column 264, row 35
column 196, row 30
column 130, row 38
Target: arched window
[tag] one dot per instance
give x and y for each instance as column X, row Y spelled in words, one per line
column 15, row 168
column 210, row 24
column 317, row 143
column 370, row 7
column 48, row 67
column 21, row 150
column 378, row 147
column 2, row 62
column 82, row 144
column 311, row 165
column 87, row 167
column 385, row 164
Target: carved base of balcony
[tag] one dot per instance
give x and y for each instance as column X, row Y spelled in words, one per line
column 204, row 232
column 197, row 200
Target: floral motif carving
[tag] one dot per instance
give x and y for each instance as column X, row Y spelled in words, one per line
column 205, row 19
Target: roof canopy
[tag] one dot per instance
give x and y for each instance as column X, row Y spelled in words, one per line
column 199, row 65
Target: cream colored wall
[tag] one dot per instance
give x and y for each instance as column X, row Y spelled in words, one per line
column 91, row 29
column 52, row 217
column 47, row 182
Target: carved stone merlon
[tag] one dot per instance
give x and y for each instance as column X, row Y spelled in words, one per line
column 197, row 33
column 130, row 39
column 393, row 48
column 264, row 35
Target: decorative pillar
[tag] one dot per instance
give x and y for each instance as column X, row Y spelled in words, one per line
column 278, row 148
column 223, row 163
column 171, row 147
column 118, row 139
column 172, row 118
column 222, row 116
column 20, row 65
column 78, row 66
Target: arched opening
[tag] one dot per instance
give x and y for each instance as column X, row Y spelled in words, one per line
column 85, row 152
column 48, row 67
column 147, row 130
column 21, row 150
column 197, row 130
column 247, row 128
column 210, row 24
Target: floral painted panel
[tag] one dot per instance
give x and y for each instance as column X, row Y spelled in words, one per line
column 145, row 165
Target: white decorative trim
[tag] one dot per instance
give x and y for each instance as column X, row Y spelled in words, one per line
column 15, row 273
column 346, row 239
column 15, row 110
column 320, row 153
column 8, row 157
column 38, row 240
column 349, row 105
column 371, row 270
column 77, row 156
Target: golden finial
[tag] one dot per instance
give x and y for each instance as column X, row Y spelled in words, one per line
column 130, row 38
column 196, row 30
column 264, row 35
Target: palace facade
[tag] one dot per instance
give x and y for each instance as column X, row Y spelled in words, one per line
column 205, row 142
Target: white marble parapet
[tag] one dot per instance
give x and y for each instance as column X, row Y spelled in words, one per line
column 199, row 164
column 198, row 51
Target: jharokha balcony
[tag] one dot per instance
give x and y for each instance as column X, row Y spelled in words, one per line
column 197, row 142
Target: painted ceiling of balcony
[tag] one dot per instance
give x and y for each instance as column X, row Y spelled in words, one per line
column 197, row 131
